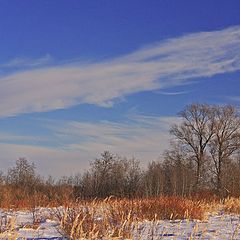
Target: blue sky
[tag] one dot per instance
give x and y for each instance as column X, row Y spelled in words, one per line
column 81, row 77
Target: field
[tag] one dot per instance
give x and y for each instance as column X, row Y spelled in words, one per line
column 154, row 218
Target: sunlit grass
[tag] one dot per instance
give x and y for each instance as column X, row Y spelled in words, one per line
column 117, row 218
column 232, row 205
column 114, row 218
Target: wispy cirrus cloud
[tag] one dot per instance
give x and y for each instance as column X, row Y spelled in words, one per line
column 49, row 161
column 173, row 93
column 235, row 98
column 9, row 137
column 25, row 139
column 168, row 63
column 139, row 135
column 23, row 62
column 143, row 137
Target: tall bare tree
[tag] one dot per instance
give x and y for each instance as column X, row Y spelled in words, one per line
column 195, row 132
column 154, row 179
column 179, row 169
column 226, row 140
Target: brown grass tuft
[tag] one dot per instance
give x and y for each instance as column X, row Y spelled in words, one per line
column 116, row 218
column 232, row 205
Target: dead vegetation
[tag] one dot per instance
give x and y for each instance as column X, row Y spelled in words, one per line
column 117, row 218
column 232, row 205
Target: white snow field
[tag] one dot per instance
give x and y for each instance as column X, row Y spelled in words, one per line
column 23, row 225
column 218, row 226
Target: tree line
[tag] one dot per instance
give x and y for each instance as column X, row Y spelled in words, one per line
column 204, row 156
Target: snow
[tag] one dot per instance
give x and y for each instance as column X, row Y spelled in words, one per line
column 217, row 226
column 26, row 229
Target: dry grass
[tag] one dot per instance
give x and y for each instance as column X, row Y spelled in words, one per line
column 93, row 220
column 119, row 218
column 7, row 228
column 17, row 198
column 116, row 218
column 232, row 205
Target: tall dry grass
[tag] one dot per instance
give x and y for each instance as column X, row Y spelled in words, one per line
column 7, row 228
column 117, row 218
column 232, row 205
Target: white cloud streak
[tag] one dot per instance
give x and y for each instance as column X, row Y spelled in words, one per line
column 143, row 137
column 139, row 136
column 49, row 161
column 27, row 62
column 8, row 137
column 165, row 64
column 173, row 93
column 78, row 143
column 235, row 98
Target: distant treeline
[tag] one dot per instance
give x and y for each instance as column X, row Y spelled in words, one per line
column 204, row 157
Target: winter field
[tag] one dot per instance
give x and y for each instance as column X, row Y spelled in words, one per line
column 162, row 218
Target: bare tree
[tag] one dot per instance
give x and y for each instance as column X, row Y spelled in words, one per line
column 110, row 175
column 22, row 175
column 154, row 179
column 101, row 174
column 226, row 141
column 132, row 177
column 195, row 132
column 179, row 168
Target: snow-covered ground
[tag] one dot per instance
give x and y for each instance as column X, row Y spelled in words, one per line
column 218, row 226
column 21, row 224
